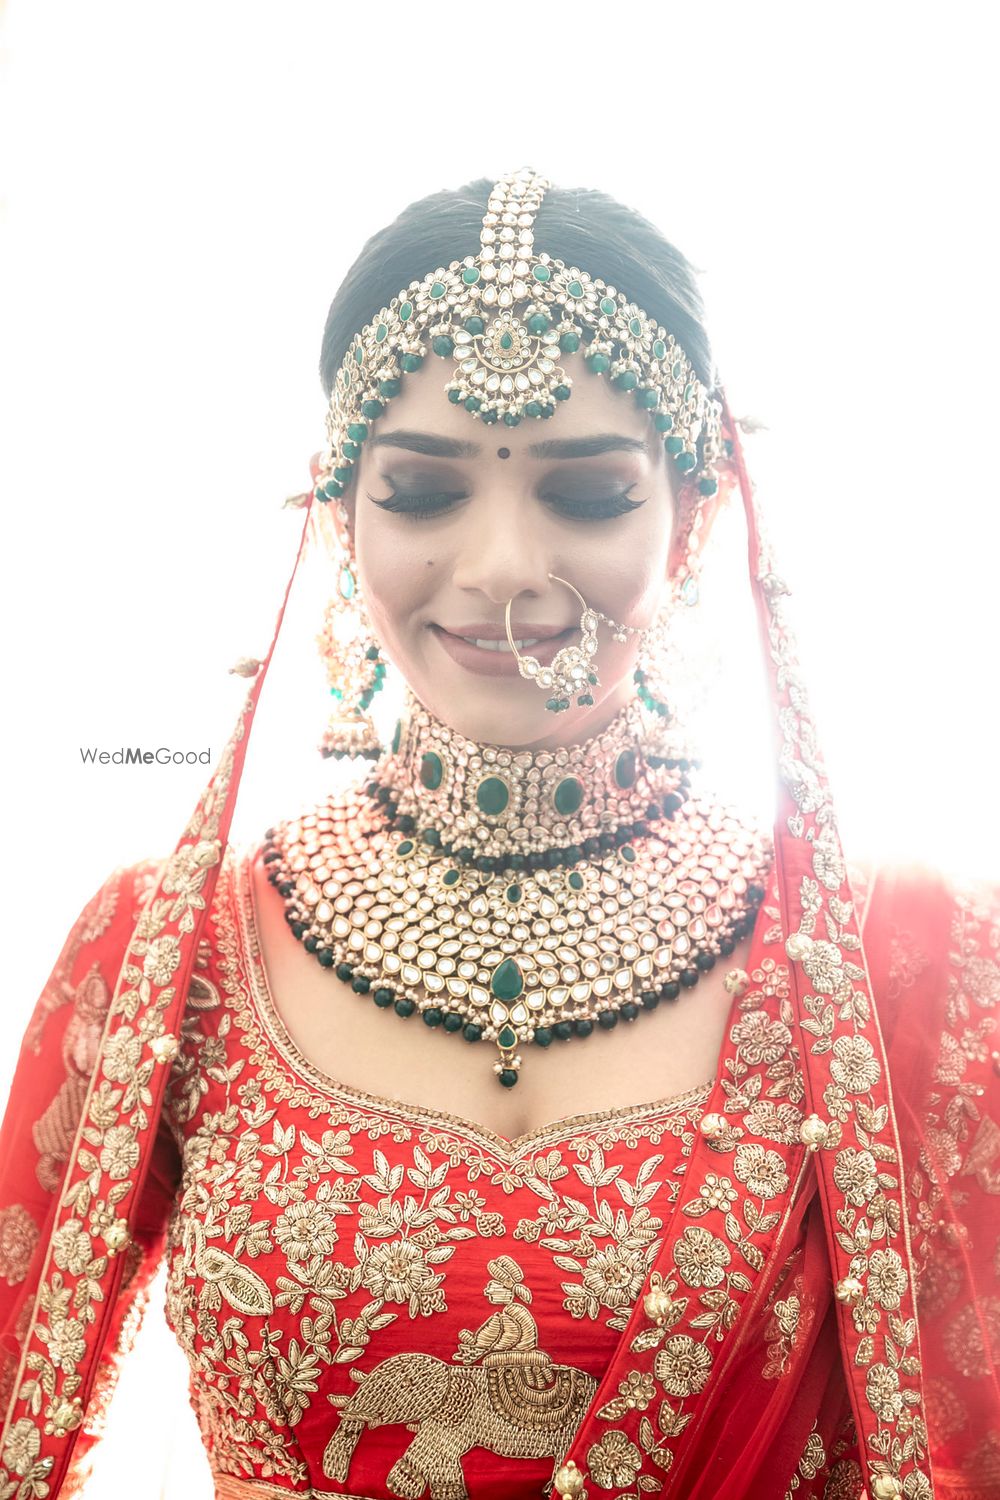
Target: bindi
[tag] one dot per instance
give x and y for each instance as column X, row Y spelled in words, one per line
column 503, row 453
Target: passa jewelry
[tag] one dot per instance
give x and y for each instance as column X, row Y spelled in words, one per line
column 518, row 896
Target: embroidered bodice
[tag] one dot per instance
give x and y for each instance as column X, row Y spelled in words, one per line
column 375, row 1296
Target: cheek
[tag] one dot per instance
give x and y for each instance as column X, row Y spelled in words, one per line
column 397, row 572
column 625, row 576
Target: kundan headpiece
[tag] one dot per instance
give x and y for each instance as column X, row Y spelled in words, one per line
column 504, row 318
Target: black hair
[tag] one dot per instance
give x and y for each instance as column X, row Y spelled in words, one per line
column 580, row 226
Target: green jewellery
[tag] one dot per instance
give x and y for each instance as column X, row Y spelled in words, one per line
column 503, row 319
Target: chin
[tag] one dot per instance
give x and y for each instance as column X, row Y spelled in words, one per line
column 512, row 714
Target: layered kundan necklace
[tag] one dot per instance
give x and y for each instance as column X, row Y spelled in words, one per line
column 515, row 896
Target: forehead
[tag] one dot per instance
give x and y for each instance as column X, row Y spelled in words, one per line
column 594, row 408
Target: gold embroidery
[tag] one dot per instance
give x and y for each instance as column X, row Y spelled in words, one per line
column 18, row 1238
column 811, row 1461
column 837, row 996
column 254, row 1185
column 507, row 1396
column 56, row 1343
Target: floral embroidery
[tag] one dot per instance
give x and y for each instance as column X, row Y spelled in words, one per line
column 367, row 1207
column 91, row 1230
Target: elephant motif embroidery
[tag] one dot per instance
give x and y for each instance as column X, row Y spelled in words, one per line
column 502, row 1393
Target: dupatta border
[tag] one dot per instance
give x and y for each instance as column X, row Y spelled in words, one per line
column 851, row 1130
column 846, row 1076
column 84, row 1262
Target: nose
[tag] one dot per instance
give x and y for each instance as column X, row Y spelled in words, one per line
column 502, row 555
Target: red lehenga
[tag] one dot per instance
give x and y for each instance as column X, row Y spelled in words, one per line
column 379, row 1300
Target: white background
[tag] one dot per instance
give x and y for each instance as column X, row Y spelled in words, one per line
column 184, row 187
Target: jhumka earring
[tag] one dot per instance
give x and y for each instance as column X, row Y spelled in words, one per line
column 350, row 655
column 661, row 671
column 572, row 668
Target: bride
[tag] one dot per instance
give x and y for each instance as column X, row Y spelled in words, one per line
column 522, row 1116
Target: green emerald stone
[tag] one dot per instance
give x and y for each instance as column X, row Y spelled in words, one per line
column 513, row 894
column 607, row 305
column 569, row 343
column 568, row 796
column 627, row 853
column 431, row 770
column 576, row 880
column 575, row 289
column 406, row 847
column 359, row 355
column 675, row 369
column 506, row 341
column 625, row 768
column 686, row 462
column 507, row 1038
column 674, row 444
column 438, row 291
column 451, row 877
column 347, row 584
column 541, row 273
column 506, row 983
column 492, row 795
column 659, row 349
column 635, row 326
column 357, row 431
column 474, row 325
column 397, row 735
column 381, row 333
column 406, row 312
column 470, row 275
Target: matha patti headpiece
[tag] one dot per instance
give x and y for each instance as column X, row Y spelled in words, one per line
column 505, row 318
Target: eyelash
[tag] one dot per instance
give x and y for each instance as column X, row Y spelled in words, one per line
column 422, row 507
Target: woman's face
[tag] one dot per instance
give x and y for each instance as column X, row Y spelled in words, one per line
column 586, row 496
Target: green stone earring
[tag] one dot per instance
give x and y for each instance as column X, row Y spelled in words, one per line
column 354, row 669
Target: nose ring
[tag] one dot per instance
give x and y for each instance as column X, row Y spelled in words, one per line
column 572, row 669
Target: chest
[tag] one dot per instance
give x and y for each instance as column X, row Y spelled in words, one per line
column 659, row 1055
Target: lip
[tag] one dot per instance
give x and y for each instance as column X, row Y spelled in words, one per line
column 501, row 663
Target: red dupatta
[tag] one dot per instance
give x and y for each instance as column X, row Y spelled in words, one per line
column 816, row 1244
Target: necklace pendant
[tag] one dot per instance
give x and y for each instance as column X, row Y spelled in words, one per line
column 508, row 1066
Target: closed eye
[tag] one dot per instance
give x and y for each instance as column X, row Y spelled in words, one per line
column 421, row 506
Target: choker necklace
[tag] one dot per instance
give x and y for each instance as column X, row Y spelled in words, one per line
column 518, row 896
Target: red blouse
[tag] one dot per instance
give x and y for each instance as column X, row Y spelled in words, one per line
column 375, row 1296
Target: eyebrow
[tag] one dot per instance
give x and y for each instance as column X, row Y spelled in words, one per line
column 434, row 446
